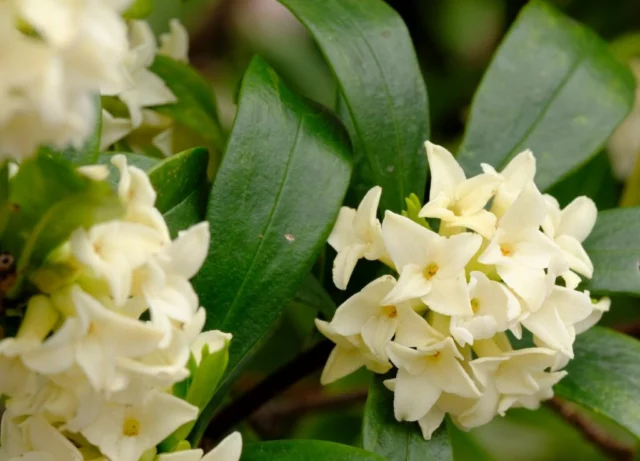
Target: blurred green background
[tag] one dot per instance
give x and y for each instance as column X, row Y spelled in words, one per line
column 454, row 41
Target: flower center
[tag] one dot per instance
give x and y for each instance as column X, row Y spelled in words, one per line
column 390, row 311
column 475, row 304
column 131, row 427
column 431, row 270
column 506, row 249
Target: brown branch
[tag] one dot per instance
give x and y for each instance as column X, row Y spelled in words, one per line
column 612, row 448
column 249, row 402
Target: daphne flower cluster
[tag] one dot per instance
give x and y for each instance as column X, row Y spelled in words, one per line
column 57, row 55
column 146, row 89
column 504, row 257
column 90, row 373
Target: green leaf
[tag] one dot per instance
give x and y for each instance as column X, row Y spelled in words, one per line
column 614, row 248
column 313, row 295
column 552, row 87
column 196, row 105
column 394, row 440
column 272, row 206
column 48, row 200
column 369, row 50
column 139, row 10
column 465, row 447
column 307, row 450
column 605, row 376
column 176, row 177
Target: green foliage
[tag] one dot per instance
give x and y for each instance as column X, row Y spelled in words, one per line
column 196, row 105
column 140, row 9
column 552, row 87
column 397, row 441
column 367, row 46
column 268, row 224
column 613, row 248
column 308, row 450
column 48, row 199
column 312, row 294
column 605, row 376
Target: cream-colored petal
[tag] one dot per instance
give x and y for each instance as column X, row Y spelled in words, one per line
column 414, row 396
column 578, row 218
column 345, row 263
column 473, row 194
column 407, row 242
column 446, row 173
column 449, row 296
column 411, row 285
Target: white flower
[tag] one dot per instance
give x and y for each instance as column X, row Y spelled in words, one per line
column 113, row 129
column 603, row 305
column 175, row 44
column 113, row 250
column 515, row 378
column 93, row 340
column 519, row 251
column 357, row 234
column 364, row 314
column 213, row 340
column 553, row 324
column 424, row 374
column 494, row 309
column 166, row 287
column 35, row 440
column 349, row 354
column 125, row 432
column 516, row 175
column 229, row 449
column 457, row 201
column 51, row 76
column 431, row 266
column 569, row 227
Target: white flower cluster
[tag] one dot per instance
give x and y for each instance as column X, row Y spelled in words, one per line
column 57, row 56
column 444, row 321
column 89, row 374
column 146, row 89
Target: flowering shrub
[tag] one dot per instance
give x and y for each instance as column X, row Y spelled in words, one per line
column 444, row 322
column 152, row 256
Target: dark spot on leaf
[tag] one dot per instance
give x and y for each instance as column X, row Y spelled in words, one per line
column 386, row 33
column 289, row 237
column 14, row 207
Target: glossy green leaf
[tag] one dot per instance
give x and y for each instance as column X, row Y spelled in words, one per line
column 48, row 200
column 176, row 177
column 394, row 440
column 614, row 248
column 605, row 376
column 307, row 450
column 552, row 87
column 368, row 48
column 271, row 208
column 196, row 105
column 465, row 447
column 312, row 294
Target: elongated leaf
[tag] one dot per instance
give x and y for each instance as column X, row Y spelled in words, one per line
column 176, row 177
column 196, row 106
column 272, row 206
column 552, row 87
column 614, row 248
column 308, row 450
column 605, row 376
column 313, row 295
column 369, row 50
column 397, row 441
column 465, row 446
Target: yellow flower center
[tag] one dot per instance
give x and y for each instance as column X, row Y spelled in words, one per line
column 475, row 305
column 431, row 270
column 506, row 249
column 131, row 427
column 390, row 311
